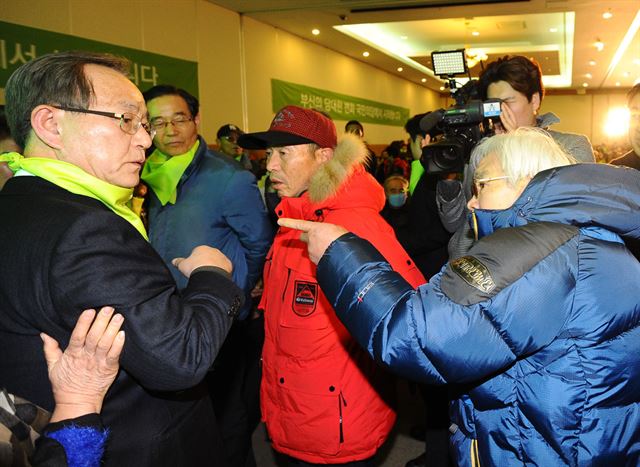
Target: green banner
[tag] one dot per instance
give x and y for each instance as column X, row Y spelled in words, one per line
column 19, row 44
column 337, row 106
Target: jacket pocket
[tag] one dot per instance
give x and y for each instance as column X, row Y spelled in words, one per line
column 308, row 422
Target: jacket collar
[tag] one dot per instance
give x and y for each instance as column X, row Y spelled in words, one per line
column 197, row 159
column 350, row 153
column 562, row 195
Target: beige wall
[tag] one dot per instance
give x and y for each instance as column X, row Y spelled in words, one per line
column 236, row 56
column 272, row 53
column 585, row 114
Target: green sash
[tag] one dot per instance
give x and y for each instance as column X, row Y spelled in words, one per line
column 162, row 173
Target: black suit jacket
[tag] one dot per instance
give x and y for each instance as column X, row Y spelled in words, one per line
column 61, row 253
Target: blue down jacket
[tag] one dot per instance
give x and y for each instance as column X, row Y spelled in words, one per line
column 540, row 321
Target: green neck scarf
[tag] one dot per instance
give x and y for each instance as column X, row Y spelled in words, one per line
column 162, row 173
column 72, row 178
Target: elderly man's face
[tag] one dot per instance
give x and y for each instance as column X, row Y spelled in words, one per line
column 96, row 143
column 492, row 189
column 291, row 169
column 181, row 130
column 634, row 123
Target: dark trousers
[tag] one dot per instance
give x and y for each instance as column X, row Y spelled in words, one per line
column 363, row 463
column 436, row 400
column 234, row 386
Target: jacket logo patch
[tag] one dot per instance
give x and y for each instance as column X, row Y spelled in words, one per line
column 305, row 298
column 474, row 273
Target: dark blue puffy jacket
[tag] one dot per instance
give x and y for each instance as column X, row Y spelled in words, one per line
column 540, row 320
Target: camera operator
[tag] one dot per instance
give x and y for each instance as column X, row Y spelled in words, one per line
column 425, row 239
column 517, row 82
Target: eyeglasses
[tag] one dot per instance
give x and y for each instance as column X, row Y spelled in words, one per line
column 130, row 123
column 159, row 124
column 478, row 183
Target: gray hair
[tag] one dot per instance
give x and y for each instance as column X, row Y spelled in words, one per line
column 522, row 153
column 57, row 78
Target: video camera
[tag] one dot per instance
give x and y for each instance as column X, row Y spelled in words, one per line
column 458, row 129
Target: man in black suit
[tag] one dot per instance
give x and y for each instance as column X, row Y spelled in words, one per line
column 69, row 242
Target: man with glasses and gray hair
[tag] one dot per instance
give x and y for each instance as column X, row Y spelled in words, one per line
column 202, row 197
column 70, row 242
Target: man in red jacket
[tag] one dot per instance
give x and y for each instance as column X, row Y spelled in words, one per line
column 323, row 400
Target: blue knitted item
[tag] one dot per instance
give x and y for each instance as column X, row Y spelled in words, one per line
column 83, row 445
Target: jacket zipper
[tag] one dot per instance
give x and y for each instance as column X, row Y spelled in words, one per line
column 284, row 292
column 341, row 401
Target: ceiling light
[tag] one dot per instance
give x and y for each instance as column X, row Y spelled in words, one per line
column 475, row 33
column 400, row 68
column 588, row 75
column 404, row 38
column 626, row 74
column 424, row 80
column 592, row 62
column 315, row 32
column 365, row 54
column 607, row 14
column 553, row 29
column 599, row 45
column 585, row 85
column 442, row 88
column 617, row 84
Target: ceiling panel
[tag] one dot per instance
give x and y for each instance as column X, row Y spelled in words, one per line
column 559, row 34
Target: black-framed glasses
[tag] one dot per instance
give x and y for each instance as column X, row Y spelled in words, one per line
column 160, row 124
column 130, row 123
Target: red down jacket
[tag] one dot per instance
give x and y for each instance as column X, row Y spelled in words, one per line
column 322, row 397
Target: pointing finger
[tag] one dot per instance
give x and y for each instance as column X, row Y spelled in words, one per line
column 297, row 224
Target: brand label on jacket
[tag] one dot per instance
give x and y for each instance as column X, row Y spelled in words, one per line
column 474, row 273
column 305, row 298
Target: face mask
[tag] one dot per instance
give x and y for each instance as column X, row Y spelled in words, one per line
column 480, row 222
column 397, row 200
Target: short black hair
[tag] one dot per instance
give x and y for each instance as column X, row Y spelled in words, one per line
column 523, row 74
column 170, row 90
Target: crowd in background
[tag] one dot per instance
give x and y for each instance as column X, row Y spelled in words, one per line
column 265, row 342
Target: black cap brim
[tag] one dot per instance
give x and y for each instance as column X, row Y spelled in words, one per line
column 270, row 139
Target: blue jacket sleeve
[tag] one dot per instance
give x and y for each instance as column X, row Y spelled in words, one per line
column 426, row 335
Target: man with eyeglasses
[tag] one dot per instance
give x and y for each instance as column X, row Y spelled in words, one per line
column 70, row 242
column 199, row 196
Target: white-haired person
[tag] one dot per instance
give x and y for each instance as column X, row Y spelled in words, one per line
column 539, row 322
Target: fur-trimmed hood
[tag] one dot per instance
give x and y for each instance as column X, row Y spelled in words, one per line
column 350, row 153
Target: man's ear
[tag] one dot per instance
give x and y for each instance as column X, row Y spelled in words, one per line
column 324, row 155
column 196, row 120
column 535, row 101
column 46, row 125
